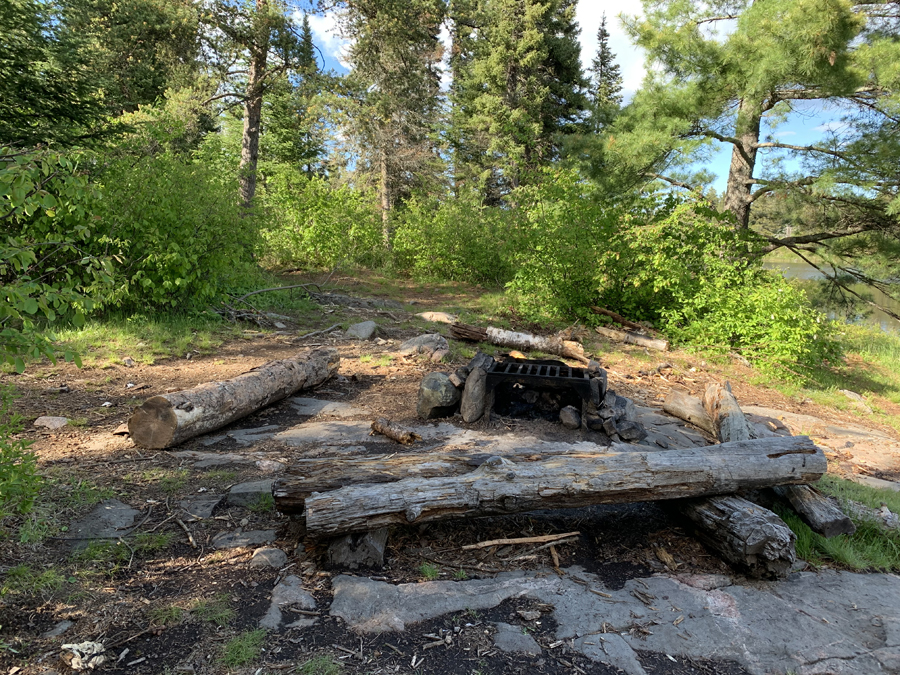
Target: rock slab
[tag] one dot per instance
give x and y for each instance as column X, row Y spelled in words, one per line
column 110, row 519
column 245, row 494
column 288, row 592
column 424, row 344
column 512, row 640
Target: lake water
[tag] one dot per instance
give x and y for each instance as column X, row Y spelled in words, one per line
column 801, row 270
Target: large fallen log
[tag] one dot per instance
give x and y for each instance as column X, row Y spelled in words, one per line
column 167, row 420
column 742, row 532
column 501, row 486
column 632, row 338
column 323, row 474
column 523, row 341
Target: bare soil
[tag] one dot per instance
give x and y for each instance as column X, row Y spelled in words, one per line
column 126, row 602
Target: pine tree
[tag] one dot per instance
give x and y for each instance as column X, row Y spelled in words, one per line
column 606, row 80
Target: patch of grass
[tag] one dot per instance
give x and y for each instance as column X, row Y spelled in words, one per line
column 166, row 616
column 29, row 580
column 82, row 493
column 429, row 572
column 104, row 552
column 221, row 475
column 384, row 360
column 460, row 575
column 365, row 358
column 152, row 542
column 215, row 610
column 241, row 650
column 265, row 503
column 871, row 547
column 321, row 665
column 170, row 481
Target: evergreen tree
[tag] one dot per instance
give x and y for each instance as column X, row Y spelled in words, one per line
column 606, row 80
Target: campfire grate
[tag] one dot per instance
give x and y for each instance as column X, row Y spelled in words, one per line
column 552, row 374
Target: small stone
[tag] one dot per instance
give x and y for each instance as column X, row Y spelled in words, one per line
column 529, row 615
column 511, row 639
column 856, row 400
column 424, row 344
column 362, row 331
column 288, row 592
column 269, row 465
column 202, row 508
column 279, row 325
column 268, row 557
column 248, row 493
column 437, row 317
column 52, row 423
column 128, row 361
column 631, row 431
column 481, row 360
column 570, row 417
column 244, row 522
column 58, row 629
column 359, row 550
column 437, row 397
column 473, row 402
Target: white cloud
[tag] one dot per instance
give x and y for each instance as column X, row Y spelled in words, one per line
column 327, row 38
column 629, row 57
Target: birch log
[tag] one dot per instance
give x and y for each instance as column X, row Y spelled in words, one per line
column 501, row 486
column 167, row 420
column 523, row 341
column 632, row 338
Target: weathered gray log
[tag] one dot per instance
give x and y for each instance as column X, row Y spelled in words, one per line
column 744, row 534
column 167, row 420
column 632, row 338
column 816, row 510
column 690, row 409
column 728, row 419
column 501, row 486
column 524, row 341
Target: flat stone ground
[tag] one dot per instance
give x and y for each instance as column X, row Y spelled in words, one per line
column 613, row 605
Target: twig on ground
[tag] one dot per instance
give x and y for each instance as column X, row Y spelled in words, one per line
column 318, row 332
column 187, row 532
column 522, row 540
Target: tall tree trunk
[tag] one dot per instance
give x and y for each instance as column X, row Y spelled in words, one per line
column 385, row 192
column 743, row 162
column 253, row 112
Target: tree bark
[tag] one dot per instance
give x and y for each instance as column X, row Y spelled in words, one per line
column 523, row 341
column 632, row 338
column 690, row 409
column 743, row 162
column 385, row 194
column 167, row 420
column 253, row 114
column 501, row 486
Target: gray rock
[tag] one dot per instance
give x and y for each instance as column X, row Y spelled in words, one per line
column 288, row 592
column 269, row 465
column 110, row 519
column 611, row 649
column 200, row 508
column 625, row 409
column 481, row 360
column 438, row 355
column 528, row 615
column 326, row 433
column 512, row 640
column 244, row 539
column 362, row 331
column 631, row 431
column 52, row 423
column 570, row 417
column 268, row 557
column 243, row 437
column 424, row 344
column 58, row 629
column 472, row 407
column 359, row 550
column 302, row 623
column 250, row 492
column 437, row 396
column 856, row 400
column 438, row 317
column 313, row 406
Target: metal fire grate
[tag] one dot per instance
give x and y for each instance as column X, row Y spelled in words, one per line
column 552, row 374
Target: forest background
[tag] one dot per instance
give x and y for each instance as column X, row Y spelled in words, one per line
column 160, row 156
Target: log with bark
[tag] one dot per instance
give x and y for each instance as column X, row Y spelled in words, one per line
column 632, row 338
column 502, row 486
column 167, row 420
column 523, row 341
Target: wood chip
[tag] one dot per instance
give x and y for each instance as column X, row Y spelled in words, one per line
column 678, row 620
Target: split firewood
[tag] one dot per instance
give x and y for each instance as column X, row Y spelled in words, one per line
column 632, row 338
column 522, row 341
column 395, row 432
column 167, row 420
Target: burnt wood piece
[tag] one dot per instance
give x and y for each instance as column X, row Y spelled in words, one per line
column 690, row 409
column 816, row 510
column 167, row 420
column 632, row 338
column 744, row 534
column 618, row 318
column 502, row 486
column 394, row 431
column 523, row 341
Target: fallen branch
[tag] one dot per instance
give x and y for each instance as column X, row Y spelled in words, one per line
column 274, row 288
column 554, row 538
column 395, row 432
column 187, row 532
column 318, row 332
column 618, row 318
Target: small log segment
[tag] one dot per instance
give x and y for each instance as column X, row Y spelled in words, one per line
column 742, row 532
column 167, row 420
column 632, row 338
column 618, row 318
column 690, row 409
column 394, row 431
column 523, row 341
column 502, row 486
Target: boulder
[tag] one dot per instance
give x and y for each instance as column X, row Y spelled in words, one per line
column 437, row 396
column 424, row 344
column 570, row 417
column 473, row 402
column 362, row 331
column 52, row 423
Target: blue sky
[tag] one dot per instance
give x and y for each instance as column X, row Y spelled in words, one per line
column 809, row 125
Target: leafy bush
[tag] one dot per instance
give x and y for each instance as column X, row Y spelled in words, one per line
column 310, row 223
column 457, row 239
column 19, row 481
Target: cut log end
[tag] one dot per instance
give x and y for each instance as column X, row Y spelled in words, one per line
column 153, row 425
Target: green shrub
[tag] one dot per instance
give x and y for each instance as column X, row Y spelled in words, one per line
column 19, row 482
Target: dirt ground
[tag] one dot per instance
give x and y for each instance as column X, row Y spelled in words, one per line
column 154, row 601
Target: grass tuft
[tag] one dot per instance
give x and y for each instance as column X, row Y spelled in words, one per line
column 321, row 665
column 244, row 648
column 429, row 572
column 216, row 610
